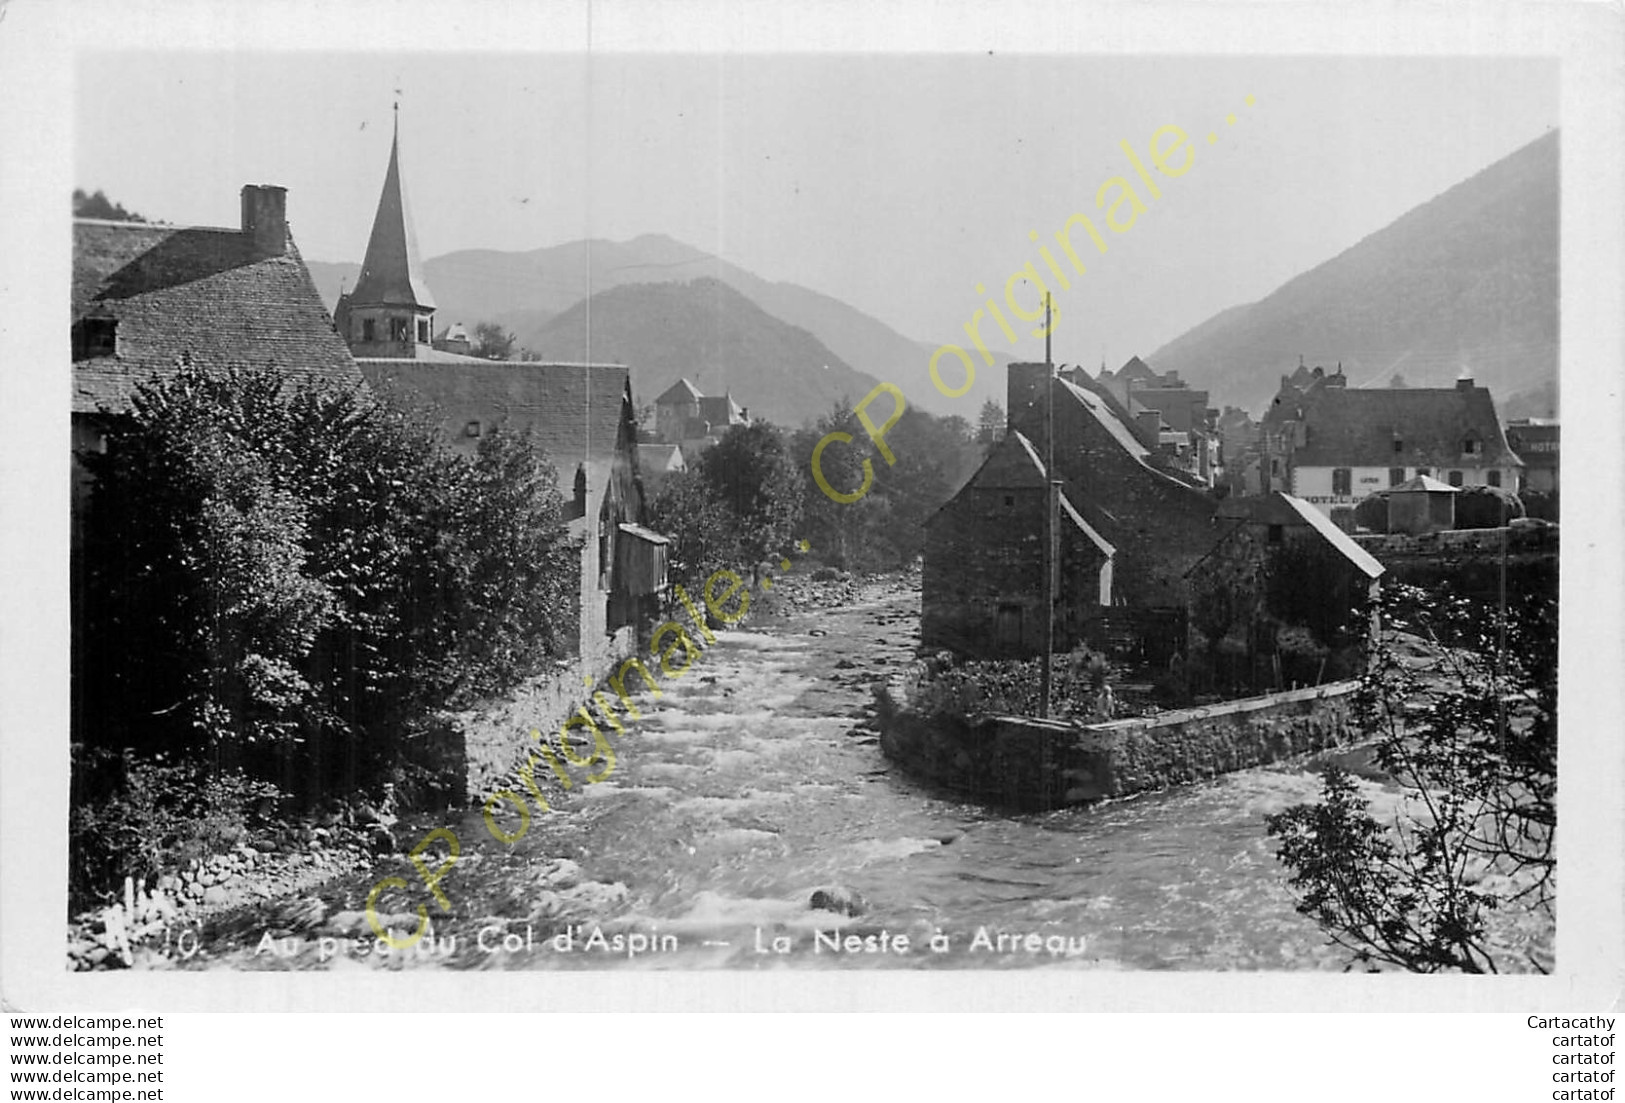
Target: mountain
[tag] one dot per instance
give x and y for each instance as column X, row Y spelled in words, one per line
column 523, row 291
column 1468, row 280
column 709, row 332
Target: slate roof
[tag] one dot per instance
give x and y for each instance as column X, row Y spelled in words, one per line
column 720, row 411
column 200, row 292
column 1014, row 464
column 1283, row 509
column 681, row 391
column 660, row 458
column 1358, row 428
column 575, row 411
column 391, row 271
column 1335, row 536
column 1424, row 482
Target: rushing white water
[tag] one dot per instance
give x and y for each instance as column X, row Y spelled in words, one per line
column 757, row 780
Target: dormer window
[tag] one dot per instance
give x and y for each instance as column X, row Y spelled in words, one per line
column 1399, row 446
column 367, row 330
column 96, row 337
column 1470, row 446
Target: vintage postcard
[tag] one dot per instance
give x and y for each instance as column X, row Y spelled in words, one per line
column 623, row 500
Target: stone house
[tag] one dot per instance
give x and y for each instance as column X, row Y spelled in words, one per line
column 1537, row 441
column 694, row 421
column 1147, row 518
column 1332, row 446
column 147, row 297
column 1175, row 417
column 983, row 572
column 1284, row 598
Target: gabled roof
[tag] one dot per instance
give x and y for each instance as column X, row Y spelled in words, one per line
column 1137, row 369
column 1014, row 465
column 1359, row 428
column 198, row 292
column 681, row 391
column 1335, row 536
column 392, row 272
column 1098, row 409
column 660, row 458
column 1424, row 482
column 575, row 411
column 720, row 411
column 1283, row 509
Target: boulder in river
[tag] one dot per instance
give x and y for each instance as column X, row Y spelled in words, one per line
column 838, row 899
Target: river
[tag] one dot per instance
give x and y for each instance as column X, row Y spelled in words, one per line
column 757, row 780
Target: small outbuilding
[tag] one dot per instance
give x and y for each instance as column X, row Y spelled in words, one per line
column 1284, row 598
column 1422, row 504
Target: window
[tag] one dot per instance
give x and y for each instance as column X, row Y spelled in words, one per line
column 1493, row 478
column 1274, row 534
column 472, row 429
column 96, row 337
column 1399, row 446
column 1342, row 480
column 423, row 331
column 1009, row 501
column 1420, row 471
column 1396, row 475
column 397, row 329
column 1455, row 478
column 367, row 331
column 1470, row 446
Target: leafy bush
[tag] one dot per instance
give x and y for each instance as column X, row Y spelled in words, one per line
column 1472, row 741
column 281, row 577
column 1079, row 689
column 1486, row 507
column 140, row 817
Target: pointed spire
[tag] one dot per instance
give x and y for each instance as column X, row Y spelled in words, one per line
column 392, row 272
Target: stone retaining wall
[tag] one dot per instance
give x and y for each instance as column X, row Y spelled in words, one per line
column 1022, row 762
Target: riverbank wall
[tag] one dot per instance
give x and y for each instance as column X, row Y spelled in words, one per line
column 1030, row 764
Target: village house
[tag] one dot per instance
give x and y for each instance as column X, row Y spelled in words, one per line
column 1536, row 441
column 1284, row 598
column 1332, row 445
column 1175, row 418
column 148, row 297
column 1146, row 521
column 695, row 421
column 581, row 415
column 983, row 571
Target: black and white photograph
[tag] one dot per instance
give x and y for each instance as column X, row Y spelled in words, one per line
column 636, row 510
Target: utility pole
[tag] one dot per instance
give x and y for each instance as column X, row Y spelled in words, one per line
column 1052, row 484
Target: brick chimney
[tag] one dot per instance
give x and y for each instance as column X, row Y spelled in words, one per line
column 265, row 218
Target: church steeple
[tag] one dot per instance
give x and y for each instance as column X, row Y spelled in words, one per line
column 391, row 311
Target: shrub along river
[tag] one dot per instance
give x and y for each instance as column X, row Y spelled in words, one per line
column 755, row 788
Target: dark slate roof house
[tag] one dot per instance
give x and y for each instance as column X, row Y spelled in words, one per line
column 146, row 295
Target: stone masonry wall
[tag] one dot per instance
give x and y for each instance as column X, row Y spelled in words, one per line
column 1025, row 763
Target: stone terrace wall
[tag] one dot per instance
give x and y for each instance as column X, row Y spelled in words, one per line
column 1021, row 762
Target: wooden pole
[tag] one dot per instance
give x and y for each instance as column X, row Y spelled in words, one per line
column 1045, row 677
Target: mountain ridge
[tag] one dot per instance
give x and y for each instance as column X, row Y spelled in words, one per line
column 1467, row 281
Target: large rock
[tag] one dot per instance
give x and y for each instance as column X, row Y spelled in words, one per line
column 838, row 899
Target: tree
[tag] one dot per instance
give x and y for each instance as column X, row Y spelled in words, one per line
column 990, row 425
column 492, row 341
column 1486, row 507
column 276, row 573
column 1471, row 739
column 98, row 205
column 751, row 472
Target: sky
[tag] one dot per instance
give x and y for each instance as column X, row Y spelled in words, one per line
column 896, row 182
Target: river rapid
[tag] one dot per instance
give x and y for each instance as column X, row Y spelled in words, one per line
column 755, row 785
